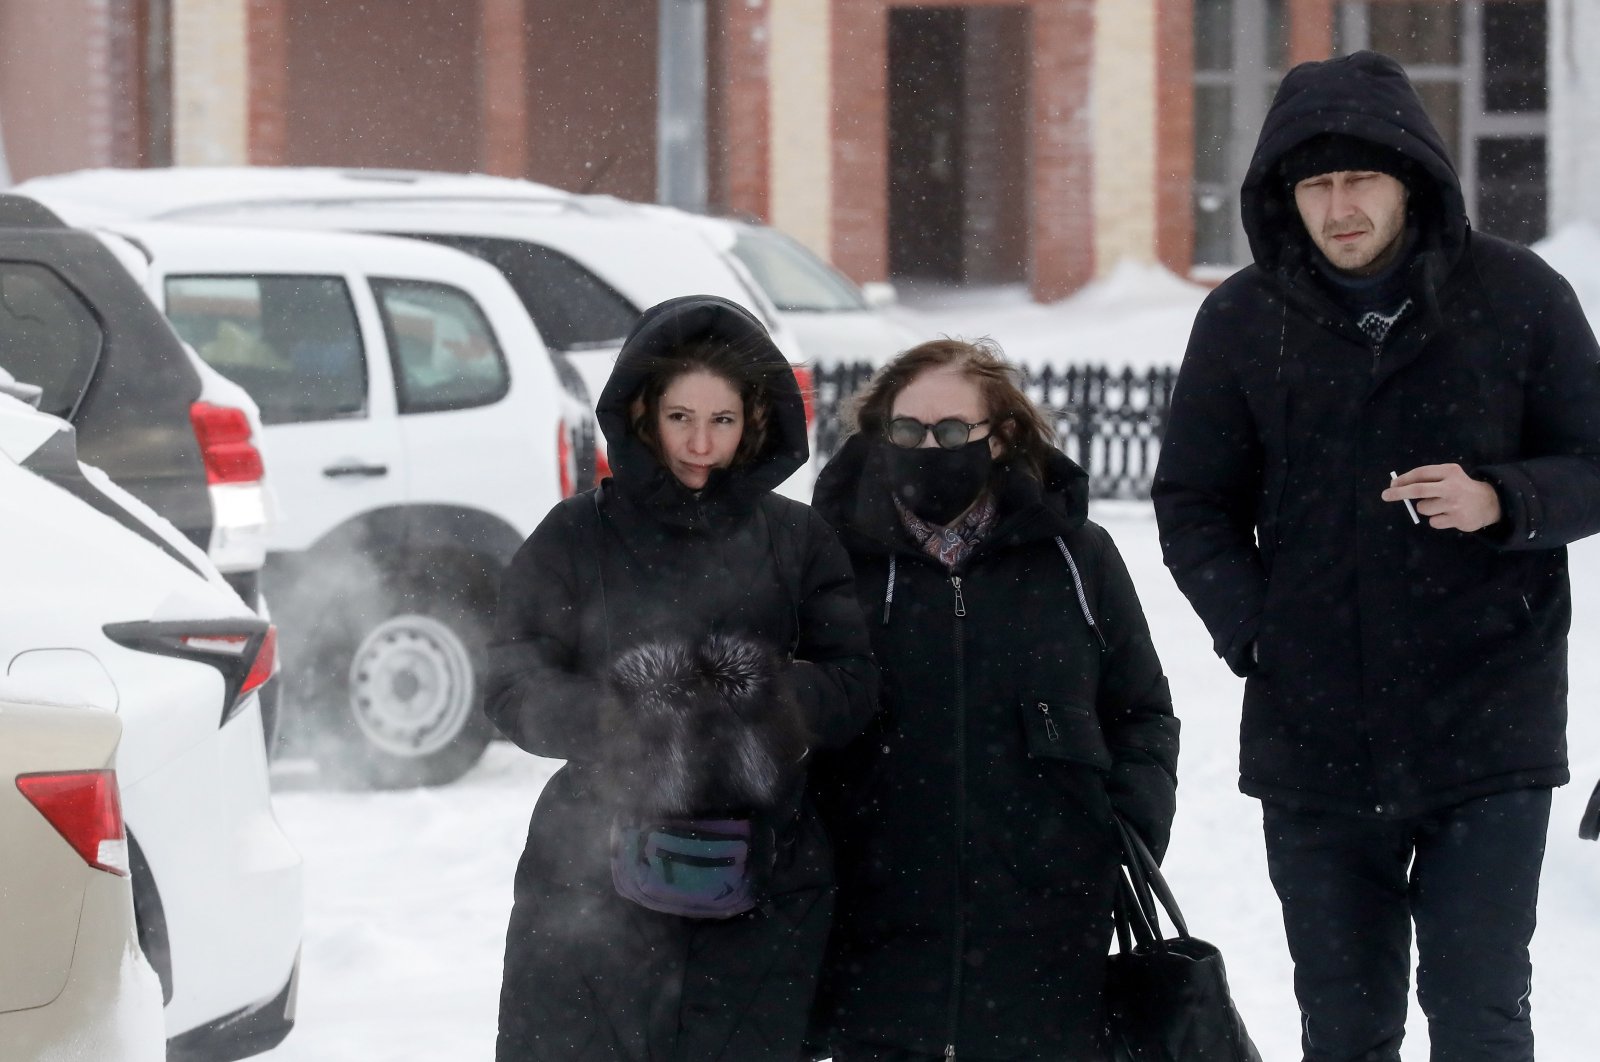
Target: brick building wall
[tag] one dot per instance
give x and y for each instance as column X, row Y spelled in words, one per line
column 55, row 85
column 591, row 80
column 739, row 128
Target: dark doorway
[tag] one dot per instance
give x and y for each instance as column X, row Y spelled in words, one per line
column 958, row 155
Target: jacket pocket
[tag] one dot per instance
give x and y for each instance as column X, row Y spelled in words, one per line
column 1061, row 730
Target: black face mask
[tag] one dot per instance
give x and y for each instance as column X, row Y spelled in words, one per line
column 939, row 485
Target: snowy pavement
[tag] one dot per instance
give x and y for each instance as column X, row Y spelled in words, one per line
column 407, row 893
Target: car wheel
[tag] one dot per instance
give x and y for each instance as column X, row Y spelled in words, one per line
column 402, row 694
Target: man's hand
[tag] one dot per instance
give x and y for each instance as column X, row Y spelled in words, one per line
column 1447, row 496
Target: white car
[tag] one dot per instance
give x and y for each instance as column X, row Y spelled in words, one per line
column 584, row 266
column 417, row 429
column 76, row 324
column 108, row 600
column 74, row 983
column 835, row 321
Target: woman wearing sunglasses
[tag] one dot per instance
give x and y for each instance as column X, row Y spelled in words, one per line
column 1023, row 705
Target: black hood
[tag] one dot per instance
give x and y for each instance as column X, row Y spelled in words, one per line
column 853, row 495
column 1364, row 95
column 660, row 332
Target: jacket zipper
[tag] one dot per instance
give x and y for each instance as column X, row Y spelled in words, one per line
column 1050, row 730
column 961, row 821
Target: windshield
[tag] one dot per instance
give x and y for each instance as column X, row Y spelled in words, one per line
column 794, row 279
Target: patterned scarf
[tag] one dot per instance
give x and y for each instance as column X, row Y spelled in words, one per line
column 950, row 545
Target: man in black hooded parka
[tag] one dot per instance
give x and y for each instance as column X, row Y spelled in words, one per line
column 1405, row 703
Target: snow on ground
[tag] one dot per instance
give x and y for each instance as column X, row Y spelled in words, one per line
column 1137, row 316
column 407, row 893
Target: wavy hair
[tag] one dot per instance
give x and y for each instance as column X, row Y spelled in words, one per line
column 1026, row 434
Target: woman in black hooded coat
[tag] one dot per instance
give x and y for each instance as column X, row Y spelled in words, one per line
column 617, row 596
column 1023, row 703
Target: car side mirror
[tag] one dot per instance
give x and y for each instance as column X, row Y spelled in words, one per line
column 879, row 294
column 22, row 392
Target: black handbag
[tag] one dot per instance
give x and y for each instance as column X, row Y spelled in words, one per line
column 1167, row 999
column 1589, row 825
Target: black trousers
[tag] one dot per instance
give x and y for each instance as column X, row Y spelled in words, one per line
column 1467, row 877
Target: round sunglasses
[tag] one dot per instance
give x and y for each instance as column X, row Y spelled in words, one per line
column 952, row 433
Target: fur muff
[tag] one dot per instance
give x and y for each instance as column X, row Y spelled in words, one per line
column 698, row 729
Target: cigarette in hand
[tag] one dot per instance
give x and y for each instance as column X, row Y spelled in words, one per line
column 1411, row 509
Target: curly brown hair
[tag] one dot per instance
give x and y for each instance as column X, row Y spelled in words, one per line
column 1025, row 432
column 751, row 377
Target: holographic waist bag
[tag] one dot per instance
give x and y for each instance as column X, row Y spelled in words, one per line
column 693, row 868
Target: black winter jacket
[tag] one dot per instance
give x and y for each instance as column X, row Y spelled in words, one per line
column 1392, row 668
column 973, row 819
column 641, row 560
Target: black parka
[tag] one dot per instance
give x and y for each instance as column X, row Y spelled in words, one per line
column 1393, row 668
column 589, row 975
column 973, row 819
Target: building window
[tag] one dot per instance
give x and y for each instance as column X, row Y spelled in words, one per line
column 1479, row 66
column 1240, row 47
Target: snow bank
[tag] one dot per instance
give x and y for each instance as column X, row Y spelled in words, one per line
column 1137, row 316
column 1574, row 252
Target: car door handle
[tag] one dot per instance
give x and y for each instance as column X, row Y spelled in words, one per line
column 355, row 469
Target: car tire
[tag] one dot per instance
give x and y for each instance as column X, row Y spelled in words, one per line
column 399, row 693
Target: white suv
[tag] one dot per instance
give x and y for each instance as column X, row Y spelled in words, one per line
column 584, row 266
column 417, row 429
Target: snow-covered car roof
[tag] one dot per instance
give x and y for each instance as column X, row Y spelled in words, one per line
column 647, row 253
column 89, row 197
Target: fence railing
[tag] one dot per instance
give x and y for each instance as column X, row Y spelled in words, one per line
column 1110, row 421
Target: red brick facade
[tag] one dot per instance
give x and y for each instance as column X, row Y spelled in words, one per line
column 1061, row 225
column 267, row 44
column 1174, row 134
column 860, row 40
column 739, row 137
column 503, row 81
column 1063, row 202
column 565, row 93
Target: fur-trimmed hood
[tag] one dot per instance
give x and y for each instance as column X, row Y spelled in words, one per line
column 696, row 729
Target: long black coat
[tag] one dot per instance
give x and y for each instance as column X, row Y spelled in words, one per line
column 1400, row 668
column 589, row 975
column 973, row 818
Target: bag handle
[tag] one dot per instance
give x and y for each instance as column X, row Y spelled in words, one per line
column 1589, row 827
column 1140, row 887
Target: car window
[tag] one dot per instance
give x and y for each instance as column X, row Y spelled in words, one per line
column 291, row 341
column 48, row 335
column 444, row 352
column 794, row 279
column 573, row 308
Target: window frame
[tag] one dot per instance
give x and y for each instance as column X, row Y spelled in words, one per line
column 405, row 405
column 269, row 416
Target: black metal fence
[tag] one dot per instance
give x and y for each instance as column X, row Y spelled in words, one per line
column 1108, row 420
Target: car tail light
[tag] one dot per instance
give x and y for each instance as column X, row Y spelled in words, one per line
column 84, row 808
column 808, row 394
column 244, row 650
column 566, row 465
column 225, row 443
